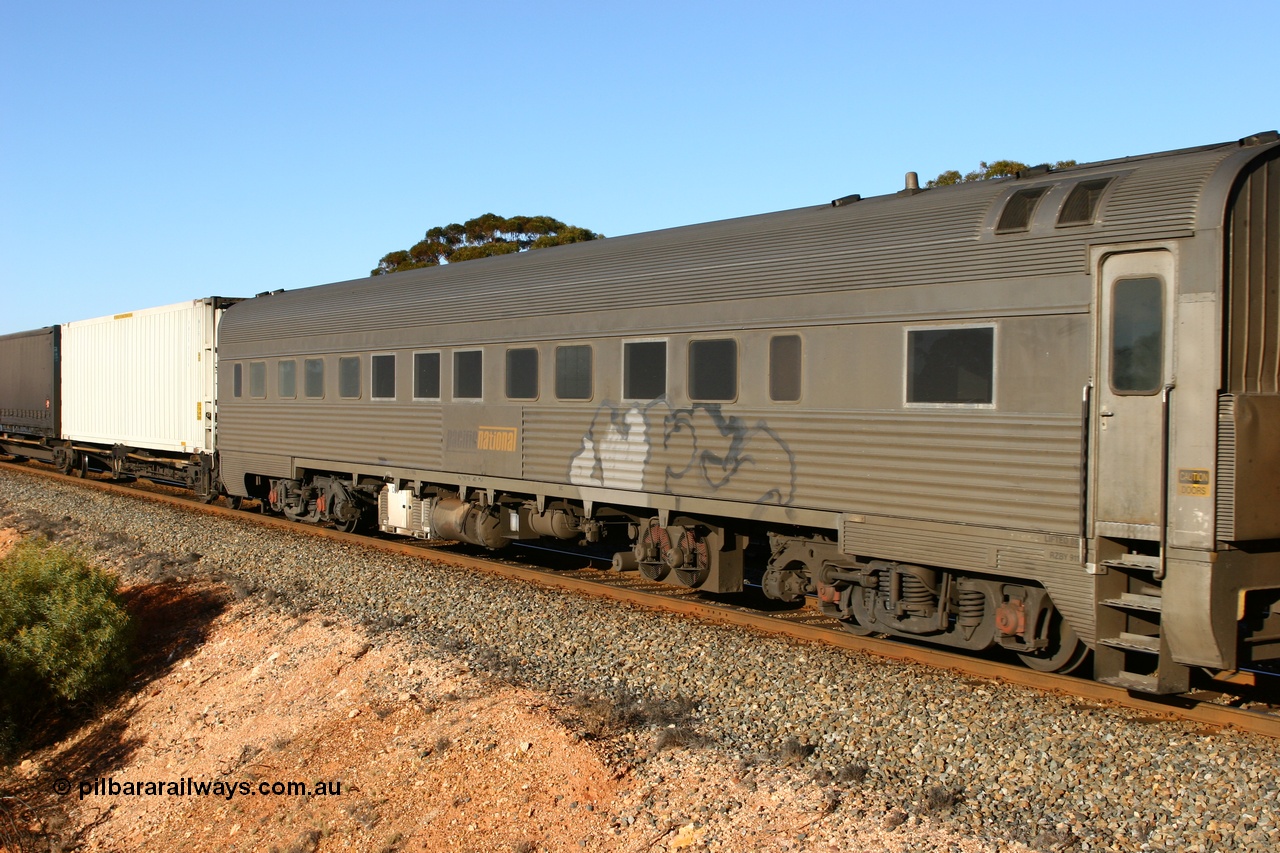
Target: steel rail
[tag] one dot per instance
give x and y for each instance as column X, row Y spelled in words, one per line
column 796, row 624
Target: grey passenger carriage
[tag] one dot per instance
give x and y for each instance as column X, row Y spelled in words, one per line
column 1039, row 413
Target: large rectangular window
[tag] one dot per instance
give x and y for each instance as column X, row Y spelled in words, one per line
column 468, row 375
column 287, row 378
column 349, row 376
column 644, row 370
column 713, row 370
column 573, row 372
column 784, row 368
column 383, row 386
column 313, row 377
column 522, row 374
column 426, row 376
column 257, row 379
column 1137, row 336
column 951, row 366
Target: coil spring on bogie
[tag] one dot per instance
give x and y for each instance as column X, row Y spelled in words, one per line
column 970, row 610
column 884, row 588
column 914, row 591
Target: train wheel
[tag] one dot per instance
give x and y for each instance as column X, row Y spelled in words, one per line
column 852, row 626
column 234, row 501
column 80, row 466
column 1064, row 655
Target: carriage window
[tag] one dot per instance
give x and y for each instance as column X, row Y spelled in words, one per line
column 468, row 376
column 951, row 366
column 257, row 379
column 287, row 378
column 1137, row 335
column 426, row 376
column 313, row 377
column 644, row 370
column 349, row 376
column 237, row 380
column 573, row 372
column 1017, row 212
column 522, row 374
column 384, row 377
column 713, row 370
column 1082, row 205
column 784, row 368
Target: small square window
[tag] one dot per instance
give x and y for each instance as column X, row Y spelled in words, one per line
column 573, row 372
column 287, row 378
column 426, row 376
column 468, row 375
column 257, row 379
column 951, row 366
column 313, row 377
column 713, row 370
column 384, row 377
column 522, row 374
column 644, row 370
column 349, row 377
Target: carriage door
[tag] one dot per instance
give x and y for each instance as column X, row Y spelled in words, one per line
column 1133, row 369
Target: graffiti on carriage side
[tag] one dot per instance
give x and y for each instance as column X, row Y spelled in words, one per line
column 702, row 452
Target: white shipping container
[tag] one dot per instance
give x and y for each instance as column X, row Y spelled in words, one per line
column 144, row 379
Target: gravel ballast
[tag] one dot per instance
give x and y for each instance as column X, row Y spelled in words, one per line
column 998, row 761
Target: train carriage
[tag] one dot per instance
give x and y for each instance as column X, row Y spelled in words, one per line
column 1037, row 414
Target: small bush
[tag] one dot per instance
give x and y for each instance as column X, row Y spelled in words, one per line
column 64, row 631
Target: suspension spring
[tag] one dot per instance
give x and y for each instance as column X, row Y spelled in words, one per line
column 914, row 592
column 884, row 589
column 972, row 606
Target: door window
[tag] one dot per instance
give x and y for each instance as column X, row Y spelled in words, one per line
column 1137, row 335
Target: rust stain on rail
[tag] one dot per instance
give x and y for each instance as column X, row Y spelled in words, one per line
column 683, row 602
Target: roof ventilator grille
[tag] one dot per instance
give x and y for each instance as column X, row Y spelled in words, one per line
column 1018, row 210
column 1082, row 204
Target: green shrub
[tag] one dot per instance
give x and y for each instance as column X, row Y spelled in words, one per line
column 64, row 631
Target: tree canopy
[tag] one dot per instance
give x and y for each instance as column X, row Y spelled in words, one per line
column 481, row 237
column 986, row 171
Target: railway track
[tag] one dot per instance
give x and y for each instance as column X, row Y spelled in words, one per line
column 1216, row 705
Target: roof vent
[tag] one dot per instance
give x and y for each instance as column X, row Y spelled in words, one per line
column 912, row 185
column 845, row 199
column 1267, row 136
column 1042, row 169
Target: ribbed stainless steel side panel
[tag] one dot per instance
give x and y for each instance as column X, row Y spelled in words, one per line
column 1005, row 470
column 393, row 434
column 1248, row 501
column 1226, row 476
column 143, row 379
column 29, row 383
column 935, row 237
column 1253, row 281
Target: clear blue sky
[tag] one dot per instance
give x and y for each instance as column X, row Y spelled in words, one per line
column 152, row 152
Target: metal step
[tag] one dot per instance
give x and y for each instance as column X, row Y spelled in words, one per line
column 1134, row 601
column 1133, row 643
column 1133, row 681
column 1134, row 561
